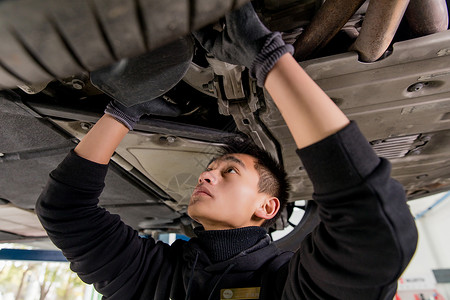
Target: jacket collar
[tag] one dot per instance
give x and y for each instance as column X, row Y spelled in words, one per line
column 247, row 248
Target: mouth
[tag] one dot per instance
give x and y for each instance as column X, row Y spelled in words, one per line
column 200, row 190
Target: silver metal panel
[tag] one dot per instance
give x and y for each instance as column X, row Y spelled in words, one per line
column 401, row 96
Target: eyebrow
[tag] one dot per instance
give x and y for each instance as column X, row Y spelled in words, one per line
column 229, row 158
column 234, row 159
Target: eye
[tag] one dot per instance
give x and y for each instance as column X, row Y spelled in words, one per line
column 231, row 170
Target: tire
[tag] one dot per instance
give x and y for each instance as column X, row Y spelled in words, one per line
column 46, row 39
column 310, row 219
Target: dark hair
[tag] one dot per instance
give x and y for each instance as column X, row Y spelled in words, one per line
column 272, row 176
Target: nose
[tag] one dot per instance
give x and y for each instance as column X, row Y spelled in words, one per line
column 208, row 176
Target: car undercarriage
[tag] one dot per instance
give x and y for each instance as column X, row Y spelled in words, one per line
column 386, row 64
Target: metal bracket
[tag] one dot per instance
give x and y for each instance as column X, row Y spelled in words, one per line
column 240, row 106
column 248, row 124
column 232, row 77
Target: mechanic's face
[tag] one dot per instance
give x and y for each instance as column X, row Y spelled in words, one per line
column 227, row 194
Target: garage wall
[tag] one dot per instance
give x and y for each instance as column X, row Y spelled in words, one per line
column 433, row 252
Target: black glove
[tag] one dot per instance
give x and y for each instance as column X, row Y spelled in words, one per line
column 129, row 116
column 245, row 41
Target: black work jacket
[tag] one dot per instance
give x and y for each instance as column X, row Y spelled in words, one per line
column 365, row 239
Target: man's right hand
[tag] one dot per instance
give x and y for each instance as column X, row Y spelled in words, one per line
column 129, row 116
column 102, row 140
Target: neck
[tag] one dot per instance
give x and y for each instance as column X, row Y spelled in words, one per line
column 222, row 245
column 217, row 226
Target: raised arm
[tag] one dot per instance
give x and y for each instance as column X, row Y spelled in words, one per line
column 367, row 235
column 101, row 248
column 102, row 140
column 307, row 110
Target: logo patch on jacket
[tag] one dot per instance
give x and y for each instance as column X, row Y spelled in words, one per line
column 240, row 293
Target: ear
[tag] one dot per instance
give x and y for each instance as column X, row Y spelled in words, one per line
column 268, row 208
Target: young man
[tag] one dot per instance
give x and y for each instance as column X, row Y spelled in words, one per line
column 364, row 242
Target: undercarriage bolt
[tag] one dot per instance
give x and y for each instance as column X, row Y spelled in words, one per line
column 416, row 87
column 167, row 139
column 85, row 126
column 77, row 84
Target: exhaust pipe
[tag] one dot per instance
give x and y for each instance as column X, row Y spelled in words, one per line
column 427, row 16
column 382, row 20
column 327, row 22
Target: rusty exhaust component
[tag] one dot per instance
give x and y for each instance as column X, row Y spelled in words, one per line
column 427, row 16
column 382, row 20
column 327, row 22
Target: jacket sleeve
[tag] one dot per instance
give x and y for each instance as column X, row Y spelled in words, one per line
column 367, row 235
column 99, row 246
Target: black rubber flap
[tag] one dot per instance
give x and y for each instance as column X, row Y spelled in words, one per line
column 143, row 78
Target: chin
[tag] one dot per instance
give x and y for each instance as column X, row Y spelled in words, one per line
column 194, row 214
